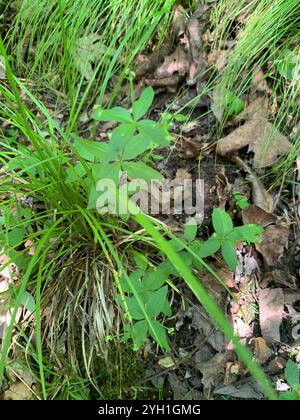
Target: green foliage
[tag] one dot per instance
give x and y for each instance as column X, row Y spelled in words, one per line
column 129, row 140
column 231, row 104
column 241, row 200
column 292, row 376
column 226, row 236
column 150, row 285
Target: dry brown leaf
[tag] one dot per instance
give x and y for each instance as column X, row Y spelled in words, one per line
column 213, row 371
column 271, row 307
column 175, row 64
column 18, row 391
column 218, row 58
column 179, row 21
column 273, row 242
column 261, row 137
column 261, row 351
column 166, row 362
column 260, row 196
column 254, row 214
column 182, row 174
column 260, row 83
column 279, row 278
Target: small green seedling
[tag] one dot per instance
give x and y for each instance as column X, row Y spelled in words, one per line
column 226, row 237
column 241, row 201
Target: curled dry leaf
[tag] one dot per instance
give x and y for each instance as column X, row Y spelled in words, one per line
column 263, row 139
column 271, row 307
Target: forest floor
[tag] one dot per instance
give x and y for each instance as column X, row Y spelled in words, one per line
column 263, row 293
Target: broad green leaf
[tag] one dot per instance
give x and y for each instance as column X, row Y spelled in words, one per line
column 161, row 334
column 231, row 104
column 134, row 308
column 89, row 150
column 154, row 304
column 190, row 229
column 142, row 105
column 104, row 170
column 229, row 254
column 291, row 373
column 248, row 233
column 153, row 280
column 222, row 222
column 135, row 147
column 186, row 257
column 141, row 261
column 166, row 309
column 168, row 268
column 289, row 395
column 177, row 246
column 288, row 65
column 116, row 113
column 152, row 131
column 28, row 302
column 120, row 138
column 16, row 236
column 135, row 278
column 139, row 170
column 209, row 247
column 139, row 333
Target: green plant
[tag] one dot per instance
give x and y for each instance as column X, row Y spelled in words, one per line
column 225, row 237
column 128, row 141
column 64, row 227
column 292, row 376
column 241, row 201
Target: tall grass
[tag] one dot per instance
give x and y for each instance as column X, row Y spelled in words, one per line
column 266, row 30
column 59, row 43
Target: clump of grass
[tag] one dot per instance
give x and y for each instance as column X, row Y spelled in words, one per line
column 268, row 40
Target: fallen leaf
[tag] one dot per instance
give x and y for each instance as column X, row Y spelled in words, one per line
column 279, row 278
column 182, row 174
column 261, row 137
column 255, row 214
column 245, row 388
column 271, row 307
column 166, row 362
column 218, row 58
column 273, row 242
column 213, row 371
column 261, row 351
column 179, row 21
column 260, row 196
column 18, row 391
column 176, row 64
